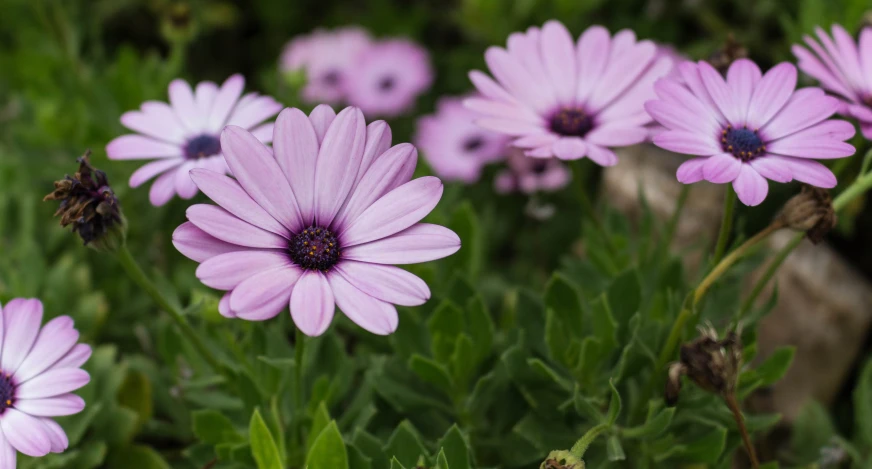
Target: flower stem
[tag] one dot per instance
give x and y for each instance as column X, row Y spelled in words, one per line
column 726, row 225
column 137, row 275
column 580, row 446
column 299, row 358
column 743, row 430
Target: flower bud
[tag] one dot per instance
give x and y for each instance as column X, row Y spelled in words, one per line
column 726, row 55
column 711, row 363
column 810, row 211
column 90, row 206
column 562, row 460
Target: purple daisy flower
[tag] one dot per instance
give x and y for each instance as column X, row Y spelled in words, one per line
column 559, row 98
column 316, row 222
column 454, row 146
column 328, row 58
column 843, row 67
column 183, row 134
column 389, row 76
column 39, row 369
column 749, row 128
column 531, row 175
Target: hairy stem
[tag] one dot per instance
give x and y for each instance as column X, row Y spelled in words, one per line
column 580, row 446
column 733, row 404
column 726, row 225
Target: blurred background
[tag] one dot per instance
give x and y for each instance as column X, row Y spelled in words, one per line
column 69, row 69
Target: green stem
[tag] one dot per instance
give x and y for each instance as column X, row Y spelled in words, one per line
column 580, row 446
column 858, row 188
column 726, row 225
column 299, row 358
column 137, row 275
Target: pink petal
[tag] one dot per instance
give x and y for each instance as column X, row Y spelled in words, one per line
column 692, row 79
column 688, row 143
column 393, row 169
column 849, row 54
column 866, row 53
column 742, row 78
column 254, row 112
column 687, row 110
column 185, row 187
column 264, row 133
column 7, row 453
column 52, row 383
column 162, row 189
column 772, row 168
column 809, row 172
column 224, row 102
column 691, row 171
column 378, row 140
column 182, row 100
column 137, row 147
column 221, row 224
column 224, row 306
column 489, row 88
column 53, row 342
column 322, row 116
column 721, row 168
column 630, row 105
column 198, row 245
column 601, row 156
column 502, row 109
column 569, row 148
column 312, row 304
column 59, row 440
column 387, row 283
column 371, row 314
column 720, row 94
column 750, row 186
column 621, row 72
column 533, row 141
column 204, row 96
column 861, row 112
column 227, row 271
column 338, row 162
column 296, row 150
column 158, row 122
column 152, row 169
column 804, row 109
column 811, row 147
column 593, row 53
column 64, row 404
column 25, row 433
column 558, row 57
column 22, row 318
column 394, row 212
column 227, row 193
column 254, row 166
column 832, row 129
column 771, row 94
column 617, row 136
column 420, row 243
column 516, row 79
column 515, row 128
column 75, row 358
column 265, row 295
column 811, row 65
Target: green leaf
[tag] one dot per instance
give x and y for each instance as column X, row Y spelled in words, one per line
column 465, row 223
column 562, row 298
column 358, row 460
column 812, row 430
column 481, row 327
column 371, row 447
column 614, row 450
column 319, row 423
column 405, row 445
column 135, row 394
column 863, row 405
column 442, row 461
column 614, row 405
column 137, row 457
column 213, row 427
column 396, row 464
column 454, row 449
column 432, row 372
column 462, row 367
column 604, row 326
column 706, row 449
column 776, row 366
column 445, row 325
column 625, row 296
column 654, row 426
column 263, row 445
column 328, row 451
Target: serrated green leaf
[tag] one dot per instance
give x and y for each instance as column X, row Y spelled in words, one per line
column 263, row 445
column 328, row 451
column 371, row 447
column 405, row 445
column 454, row 449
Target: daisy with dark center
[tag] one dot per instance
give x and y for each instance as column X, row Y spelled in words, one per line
column 40, row 367
column 316, row 223
column 389, row 76
column 184, row 134
column 556, row 98
column 454, row 146
column 531, row 175
column 749, row 128
column 843, row 67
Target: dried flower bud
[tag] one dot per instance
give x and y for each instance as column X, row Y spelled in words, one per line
column 711, row 363
column 179, row 24
column 811, row 211
column 90, row 206
column 729, row 53
column 562, row 460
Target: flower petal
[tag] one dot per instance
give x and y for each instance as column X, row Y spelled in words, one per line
column 601, row 156
column 617, row 135
column 772, row 168
column 804, row 109
column 254, row 112
column 185, row 187
column 811, row 147
column 53, row 383
column 264, row 295
column 198, row 245
column 721, row 168
column 689, row 143
column 809, row 172
column 691, row 171
column 420, row 243
column 371, row 314
column 227, row 193
column 771, row 94
column 59, row 440
column 75, row 358
column 137, row 147
column 25, row 433
column 750, row 186
column 55, row 339
column 338, row 162
column 558, row 57
column 312, row 303
column 227, row 271
column 378, row 141
column 322, row 116
column 593, row 54
column 22, row 318
column 296, row 150
column 489, row 88
column 623, row 69
column 163, row 189
column 720, row 94
column 182, row 100
column 224, row 102
column 57, row 406
column 8, row 454
column 742, row 77
column 156, row 120
column 385, row 282
column 569, row 148
column 152, row 169
column 221, row 224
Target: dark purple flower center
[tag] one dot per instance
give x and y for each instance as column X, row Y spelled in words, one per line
column 473, row 143
column 743, row 143
column 202, row 146
column 387, row 84
column 315, row 248
column 7, row 392
column 539, row 166
column 571, row 122
column 331, row 78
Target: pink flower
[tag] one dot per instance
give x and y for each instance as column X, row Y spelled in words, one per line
column 844, row 68
column 389, row 76
column 560, row 99
column 749, row 128
column 316, row 222
column 454, row 146
column 39, row 369
column 328, row 57
column 531, row 175
column 183, row 135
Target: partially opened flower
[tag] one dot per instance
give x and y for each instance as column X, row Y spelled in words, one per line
column 531, row 175
column 39, row 369
column 454, row 146
column 328, row 58
column 749, row 128
column 559, row 98
column 843, row 67
column 389, row 76
column 183, row 134
column 316, row 222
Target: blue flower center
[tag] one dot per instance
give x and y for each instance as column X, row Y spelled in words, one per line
column 571, row 122
column 202, row 146
column 473, row 143
column 7, row 392
column 315, row 248
column 743, row 143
